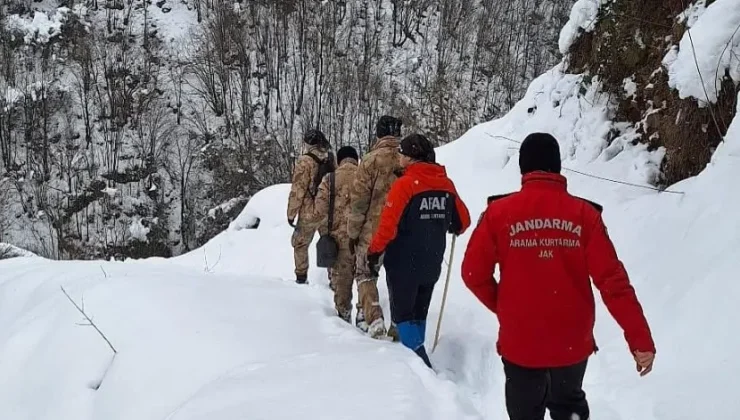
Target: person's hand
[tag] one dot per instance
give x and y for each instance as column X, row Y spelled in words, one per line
column 373, row 263
column 291, row 222
column 353, row 244
column 644, row 362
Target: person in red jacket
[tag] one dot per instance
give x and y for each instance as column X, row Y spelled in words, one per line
column 548, row 245
column 422, row 206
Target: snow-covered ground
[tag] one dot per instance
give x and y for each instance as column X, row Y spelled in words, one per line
column 224, row 333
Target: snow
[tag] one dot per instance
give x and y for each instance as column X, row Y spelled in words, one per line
column 630, row 87
column 42, row 27
column 697, row 70
column 173, row 18
column 223, row 332
column 692, row 13
column 8, row 251
column 583, row 17
column 225, row 207
column 12, row 95
column 264, row 208
column 138, row 230
column 193, row 348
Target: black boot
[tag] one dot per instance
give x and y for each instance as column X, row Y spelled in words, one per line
column 301, row 279
column 422, row 352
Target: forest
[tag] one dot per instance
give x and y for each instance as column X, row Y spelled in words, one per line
column 133, row 128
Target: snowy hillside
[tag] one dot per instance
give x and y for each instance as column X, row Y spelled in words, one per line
column 132, row 129
column 223, row 332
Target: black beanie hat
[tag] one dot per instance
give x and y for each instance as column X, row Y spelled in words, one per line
column 347, row 152
column 539, row 152
column 417, row 147
column 388, row 126
column 315, row 138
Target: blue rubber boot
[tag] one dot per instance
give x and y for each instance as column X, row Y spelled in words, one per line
column 423, row 327
column 411, row 337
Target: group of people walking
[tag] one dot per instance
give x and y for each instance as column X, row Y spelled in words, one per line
column 395, row 207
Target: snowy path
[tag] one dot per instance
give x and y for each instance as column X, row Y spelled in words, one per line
column 193, row 345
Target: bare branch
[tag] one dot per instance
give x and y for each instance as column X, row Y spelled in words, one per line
column 89, row 320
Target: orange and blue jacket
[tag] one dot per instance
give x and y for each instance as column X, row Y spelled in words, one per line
column 422, row 206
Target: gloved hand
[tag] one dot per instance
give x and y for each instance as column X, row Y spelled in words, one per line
column 373, row 263
column 291, row 222
column 353, row 244
column 454, row 229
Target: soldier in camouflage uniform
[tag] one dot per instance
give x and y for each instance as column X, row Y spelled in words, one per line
column 375, row 174
column 342, row 273
column 301, row 201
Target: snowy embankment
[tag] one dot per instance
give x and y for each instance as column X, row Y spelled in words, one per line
column 224, row 333
column 193, row 346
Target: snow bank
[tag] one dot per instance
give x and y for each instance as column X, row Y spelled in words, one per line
column 697, row 70
column 583, row 17
column 264, row 209
column 190, row 347
column 8, row 251
column 256, row 242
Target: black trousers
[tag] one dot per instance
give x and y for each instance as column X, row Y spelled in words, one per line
column 409, row 297
column 530, row 391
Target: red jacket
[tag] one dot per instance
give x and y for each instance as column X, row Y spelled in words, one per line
column 547, row 244
column 422, row 206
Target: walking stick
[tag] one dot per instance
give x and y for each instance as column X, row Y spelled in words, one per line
column 444, row 295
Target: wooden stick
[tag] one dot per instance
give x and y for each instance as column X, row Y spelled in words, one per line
column 444, row 295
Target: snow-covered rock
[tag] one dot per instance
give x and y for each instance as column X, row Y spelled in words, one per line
column 708, row 51
column 583, row 17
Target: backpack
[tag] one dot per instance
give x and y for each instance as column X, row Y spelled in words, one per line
column 327, row 247
column 325, row 166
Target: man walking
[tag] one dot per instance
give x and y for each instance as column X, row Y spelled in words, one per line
column 421, row 208
column 548, row 245
column 339, row 184
column 375, row 174
column 309, row 170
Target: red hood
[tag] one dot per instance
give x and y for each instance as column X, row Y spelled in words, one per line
column 430, row 174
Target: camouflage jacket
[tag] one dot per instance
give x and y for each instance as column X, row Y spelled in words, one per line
column 300, row 202
column 344, row 177
column 375, row 174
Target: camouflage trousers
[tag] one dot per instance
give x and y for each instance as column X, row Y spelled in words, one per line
column 302, row 236
column 341, row 276
column 367, row 289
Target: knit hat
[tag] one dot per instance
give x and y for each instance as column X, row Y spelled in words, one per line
column 347, row 152
column 315, row 137
column 417, row 147
column 539, row 152
column 388, row 126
